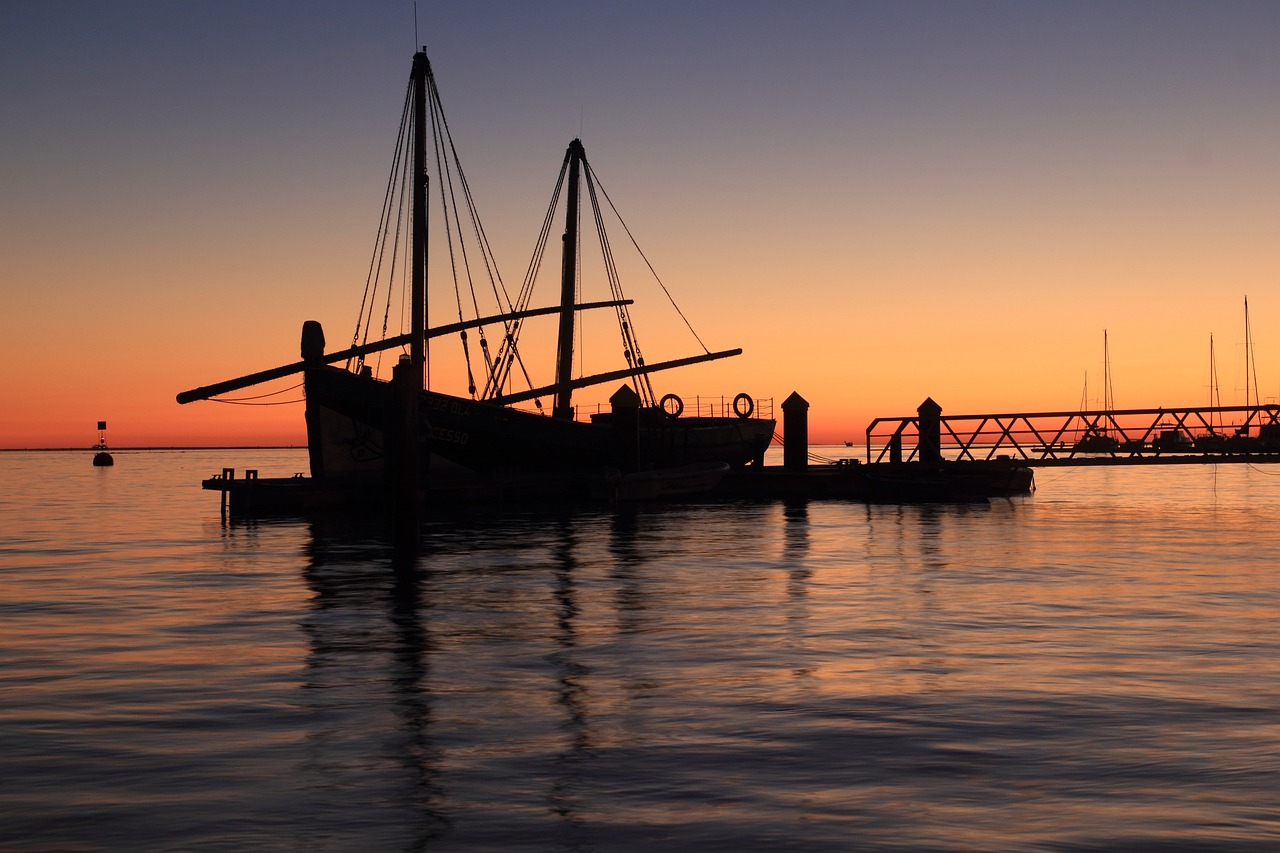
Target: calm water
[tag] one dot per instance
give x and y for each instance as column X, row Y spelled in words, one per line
column 1095, row 667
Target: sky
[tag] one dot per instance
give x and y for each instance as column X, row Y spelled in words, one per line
column 878, row 202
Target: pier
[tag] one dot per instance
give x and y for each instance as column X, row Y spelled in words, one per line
column 928, row 457
column 1161, row 436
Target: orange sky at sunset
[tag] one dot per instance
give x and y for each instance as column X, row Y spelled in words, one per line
column 878, row 202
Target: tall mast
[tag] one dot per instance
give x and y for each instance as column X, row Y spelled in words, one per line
column 1215, row 399
column 1108, row 398
column 563, row 407
column 418, row 278
column 1250, row 369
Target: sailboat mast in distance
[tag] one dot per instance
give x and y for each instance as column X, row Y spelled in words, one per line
column 1108, row 396
column 1250, row 366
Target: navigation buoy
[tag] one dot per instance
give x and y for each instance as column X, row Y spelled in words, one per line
column 102, row 458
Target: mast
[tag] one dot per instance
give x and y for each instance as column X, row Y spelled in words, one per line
column 418, row 278
column 563, row 407
column 1108, row 398
column 1250, row 372
column 1215, row 399
column 402, row 462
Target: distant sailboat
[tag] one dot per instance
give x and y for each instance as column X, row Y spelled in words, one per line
column 1211, row 441
column 1097, row 437
column 1268, row 437
column 1250, row 365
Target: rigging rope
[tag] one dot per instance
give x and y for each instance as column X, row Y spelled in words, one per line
column 389, row 203
column 509, row 352
column 645, row 258
column 459, row 212
column 248, row 401
column 631, row 346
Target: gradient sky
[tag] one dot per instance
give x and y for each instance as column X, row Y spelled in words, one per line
column 878, row 202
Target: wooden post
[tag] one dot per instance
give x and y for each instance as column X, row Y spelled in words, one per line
column 401, row 457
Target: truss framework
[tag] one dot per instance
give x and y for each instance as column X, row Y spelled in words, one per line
column 1084, row 437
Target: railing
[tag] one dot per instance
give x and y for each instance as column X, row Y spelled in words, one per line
column 1065, row 436
column 698, row 406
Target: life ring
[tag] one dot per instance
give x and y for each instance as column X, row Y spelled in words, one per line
column 677, row 404
column 743, row 405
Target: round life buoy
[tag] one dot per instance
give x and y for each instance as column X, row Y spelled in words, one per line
column 677, row 405
column 743, row 405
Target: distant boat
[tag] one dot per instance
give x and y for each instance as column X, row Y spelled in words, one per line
column 1241, row 439
column 1172, row 440
column 351, row 415
column 1211, row 441
column 1097, row 437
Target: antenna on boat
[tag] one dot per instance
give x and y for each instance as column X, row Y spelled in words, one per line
column 415, row 25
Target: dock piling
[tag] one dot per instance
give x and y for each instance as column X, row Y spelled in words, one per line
column 930, row 441
column 795, row 432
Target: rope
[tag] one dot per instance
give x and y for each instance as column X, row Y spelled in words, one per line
column 631, row 345
column 508, row 352
column 389, row 204
column 248, row 401
column 645, row 258
column 239, row 403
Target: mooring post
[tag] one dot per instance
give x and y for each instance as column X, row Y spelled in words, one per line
column 930, row 442
column 795, row 432
column 401, row 456
column 625, row 404
column 312, row 346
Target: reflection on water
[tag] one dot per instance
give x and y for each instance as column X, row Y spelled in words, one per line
column 1094, row 667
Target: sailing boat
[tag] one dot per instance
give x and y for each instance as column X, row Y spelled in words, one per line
column 1212, row 441
column 355, row 420
column 1268, row 437
column 1097, row 437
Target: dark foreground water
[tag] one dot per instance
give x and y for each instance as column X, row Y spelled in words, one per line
column 1091, row 668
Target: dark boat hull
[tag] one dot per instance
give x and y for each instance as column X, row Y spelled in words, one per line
column 347, row 416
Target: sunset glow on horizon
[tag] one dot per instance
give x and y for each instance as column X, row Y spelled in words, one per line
column 878, row 203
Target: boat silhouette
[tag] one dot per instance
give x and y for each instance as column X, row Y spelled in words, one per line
column 356, row 419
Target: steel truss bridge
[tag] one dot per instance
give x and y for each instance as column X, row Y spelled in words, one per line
column 1103, row 437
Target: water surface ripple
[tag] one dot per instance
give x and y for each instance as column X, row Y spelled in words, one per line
column 1094, row 667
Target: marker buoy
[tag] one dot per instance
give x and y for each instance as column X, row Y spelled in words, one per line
column 102, row 458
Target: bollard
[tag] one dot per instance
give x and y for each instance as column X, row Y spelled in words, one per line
column 930, row 441
column 795, row 433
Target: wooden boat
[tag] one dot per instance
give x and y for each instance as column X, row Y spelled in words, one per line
column 362, row 427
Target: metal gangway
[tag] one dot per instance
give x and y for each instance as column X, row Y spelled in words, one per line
column 1098, row 437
